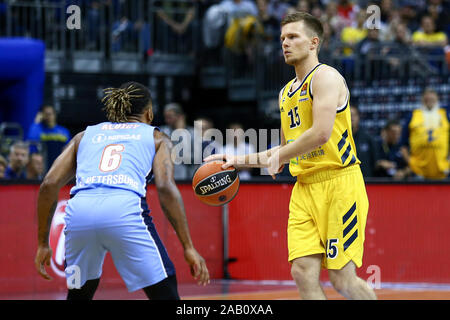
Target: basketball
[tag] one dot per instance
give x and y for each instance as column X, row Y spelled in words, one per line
column 215, row 186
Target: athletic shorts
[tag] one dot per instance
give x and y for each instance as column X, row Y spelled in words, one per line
column 117, row 222
column 327, row 215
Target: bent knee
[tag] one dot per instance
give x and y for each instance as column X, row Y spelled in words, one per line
column 304, row 272
column 339, row 282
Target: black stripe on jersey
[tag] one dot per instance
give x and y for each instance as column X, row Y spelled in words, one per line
column 350, row 226
column 350, row 240
column 349, row 213
column 346, row 154
column 343, row 140
column 148, row 221
column 353, row 160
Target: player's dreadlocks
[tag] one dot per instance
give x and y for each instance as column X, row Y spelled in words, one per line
column 132, row 98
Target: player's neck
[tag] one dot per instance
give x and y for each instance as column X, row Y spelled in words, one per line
column 135, row 119
column 305, row 67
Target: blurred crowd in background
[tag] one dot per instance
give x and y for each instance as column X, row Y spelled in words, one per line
column 416, row 148
column 410, row 35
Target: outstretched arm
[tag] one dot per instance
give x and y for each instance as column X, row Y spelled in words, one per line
column 172, row 205
column 61, row 172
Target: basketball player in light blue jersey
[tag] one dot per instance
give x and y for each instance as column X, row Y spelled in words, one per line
column 108, row 210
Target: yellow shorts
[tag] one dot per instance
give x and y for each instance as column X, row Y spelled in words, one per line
column 327, row 215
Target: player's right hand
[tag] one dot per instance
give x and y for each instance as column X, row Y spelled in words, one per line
column 43, row 257
column 198, row 266
column 230, row 160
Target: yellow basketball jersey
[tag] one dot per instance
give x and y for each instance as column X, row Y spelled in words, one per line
column 429, row 146
column 297, row 117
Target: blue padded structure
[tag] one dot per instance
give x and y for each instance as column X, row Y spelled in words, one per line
column 22, row 76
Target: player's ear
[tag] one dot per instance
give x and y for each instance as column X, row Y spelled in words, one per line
column 315, row 41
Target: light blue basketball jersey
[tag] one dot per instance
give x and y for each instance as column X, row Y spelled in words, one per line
column 115, row 155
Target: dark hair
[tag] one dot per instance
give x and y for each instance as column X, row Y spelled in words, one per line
column 390, row 123
column 429, row 89
column 45, row 106
column 309, row 20
column 131, row 99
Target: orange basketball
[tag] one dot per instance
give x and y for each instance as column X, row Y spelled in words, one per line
column 215, row 186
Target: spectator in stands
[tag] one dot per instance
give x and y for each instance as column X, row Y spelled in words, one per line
column 239, row 8
column 317, row 11
column 331, row 16
column 396, row 51
column 270, row 24
column 400, row 47
column 368, row 50
column 35, row 167
column 177, row 38
column 303, row 6
column 94, row 23
column 365, row 145
column 436, row 9
column 212, row 145
column 18, row 159
column 391, row 163
column 347, row 10
column 46, row 130
column 170, row 18
column 408, row 13
column 122, row 35
column 352, row 35
column 425, row 138
column 3, row 166
column 238, row 146
column 244, row 30
column 142, row 34
column 427, row 36
column 387, row 29
column 183, row 139
column 277, row 9
column 330, row 45
column 386, row 8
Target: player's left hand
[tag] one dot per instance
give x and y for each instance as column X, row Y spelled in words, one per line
column 198, row 266
column 43, row 257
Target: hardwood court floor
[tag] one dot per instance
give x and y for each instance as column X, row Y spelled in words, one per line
column 240, row 291
column 254, row 290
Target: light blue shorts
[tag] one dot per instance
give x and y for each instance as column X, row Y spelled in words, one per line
column 117, row 222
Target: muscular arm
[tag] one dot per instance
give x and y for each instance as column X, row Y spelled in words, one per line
column 169, row 195
column 61, row 172
column 172, row 205
column 326, row 95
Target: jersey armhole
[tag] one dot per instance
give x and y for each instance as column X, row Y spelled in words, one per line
column 344, row 106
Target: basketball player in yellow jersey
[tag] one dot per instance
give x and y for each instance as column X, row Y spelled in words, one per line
column 329, row 205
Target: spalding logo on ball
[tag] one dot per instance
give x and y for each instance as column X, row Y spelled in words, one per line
column 215, row 186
